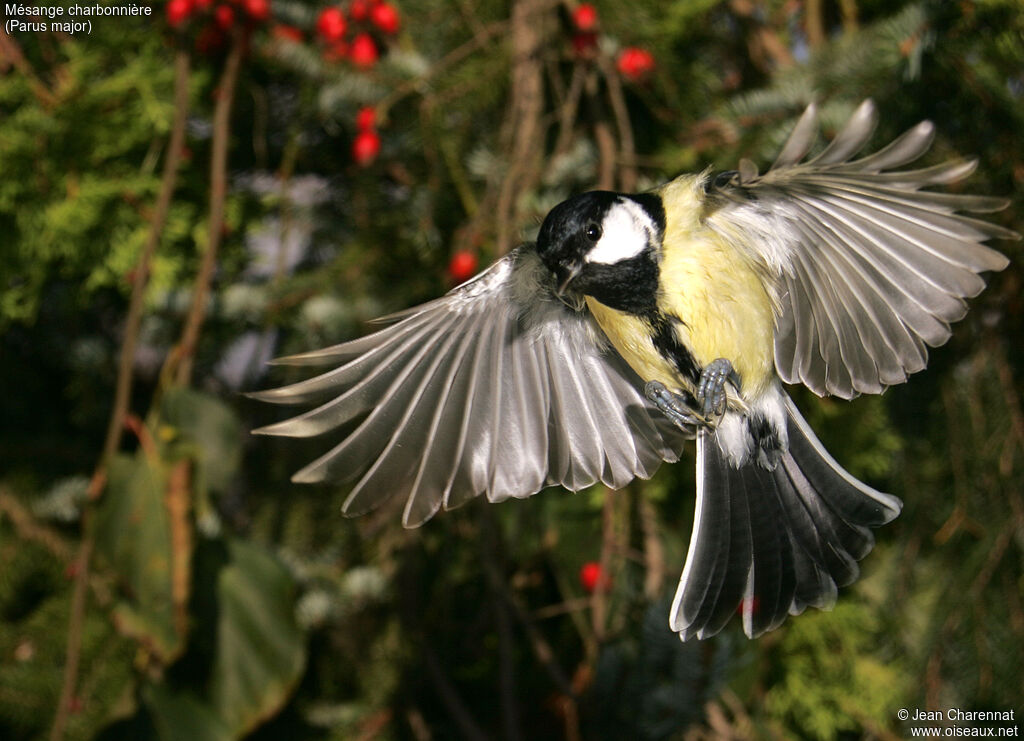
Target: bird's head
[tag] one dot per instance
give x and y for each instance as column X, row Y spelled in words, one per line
column 605, row 245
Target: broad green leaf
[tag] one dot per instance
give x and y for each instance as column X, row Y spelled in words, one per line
column 207, row 430
column 260, row 647
column 133, row 532
column 181, row 716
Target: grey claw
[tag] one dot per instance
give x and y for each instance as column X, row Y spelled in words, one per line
column 711, row 391
column 674, row 406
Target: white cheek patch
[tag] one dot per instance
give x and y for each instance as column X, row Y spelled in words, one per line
column 625, row 233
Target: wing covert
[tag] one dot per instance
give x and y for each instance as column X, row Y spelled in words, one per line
column 497, row 388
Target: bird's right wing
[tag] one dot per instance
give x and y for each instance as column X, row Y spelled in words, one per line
column 497, row 388
column 872, row 267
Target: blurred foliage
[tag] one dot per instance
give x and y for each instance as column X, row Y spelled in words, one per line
column 225, row 602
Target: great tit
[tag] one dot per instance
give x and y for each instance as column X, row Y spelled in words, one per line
column 637, row 322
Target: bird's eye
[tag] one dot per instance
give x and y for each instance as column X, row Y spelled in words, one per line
column 593, row 232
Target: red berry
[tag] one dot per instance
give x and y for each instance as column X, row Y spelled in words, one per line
column 585, row 17
column 331, row 24
column 178, row 11
column 224, row 16
column 366, row 147
column 385, row 17
column 591, row 575
column 202, row 6
column 287, row 33
column 462, row 266
column 258, row 10
column 635, row 63
column 366, row 118
column 359, row 10
column 364, row 51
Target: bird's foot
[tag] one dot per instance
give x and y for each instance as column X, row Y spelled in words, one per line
column 711, row 389
column 677, row 407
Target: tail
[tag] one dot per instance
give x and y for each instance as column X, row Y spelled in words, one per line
column 771, row 538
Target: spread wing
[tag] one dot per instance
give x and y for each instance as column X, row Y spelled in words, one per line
column 871, row 268
column 497, row 388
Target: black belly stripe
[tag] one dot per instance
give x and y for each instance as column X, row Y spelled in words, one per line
column 667, row 343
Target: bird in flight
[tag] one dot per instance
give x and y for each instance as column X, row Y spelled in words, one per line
column 639, row 322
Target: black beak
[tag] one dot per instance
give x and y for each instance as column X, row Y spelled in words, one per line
column 570, row 273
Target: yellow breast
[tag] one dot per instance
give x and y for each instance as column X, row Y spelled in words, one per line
column 631, row 336
column 716, row 292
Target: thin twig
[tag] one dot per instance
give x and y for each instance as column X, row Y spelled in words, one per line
column 74, row 644
column 1010, row 391
column 185, row 352
column 10, row 52
column 450, row 698
column 480, row 39
column 568, row 111
column 766, row 48
column 606, row 158
column 814, row 23
column 599, row 599
column 492, row 554
column 848, row 8
column 26, row 527
column 175, row 147
column 178, row 501
column 471, row 16
column 627, row 147
column 654, row 551
column 526, row 110
column 541, row 648
column 122, row 394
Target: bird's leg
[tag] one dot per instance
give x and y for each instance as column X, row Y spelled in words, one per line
column 677, row 407
column 711, row 394
column 709, row 405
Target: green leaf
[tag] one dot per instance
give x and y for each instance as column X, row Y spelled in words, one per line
column 133, row 534
column 180, row 716
column 206, row 430
column 260, row 647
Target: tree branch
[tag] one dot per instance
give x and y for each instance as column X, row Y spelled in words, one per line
column 599, row 599
column 28, row 528
column 627, row 147
column 654, row 551
column 450, row 697
column 10, row 53
column 184, row 354
column 122, row 392
column 480, row 39
column 814, row 23
column 849, row 10
column 524, row 131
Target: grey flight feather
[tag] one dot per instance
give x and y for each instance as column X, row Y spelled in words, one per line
column 497, row 388
column 871, row 269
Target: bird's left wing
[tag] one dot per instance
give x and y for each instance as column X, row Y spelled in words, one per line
column 497, row 388
column 870, row 268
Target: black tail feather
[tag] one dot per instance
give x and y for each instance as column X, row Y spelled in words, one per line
column 768, row 543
